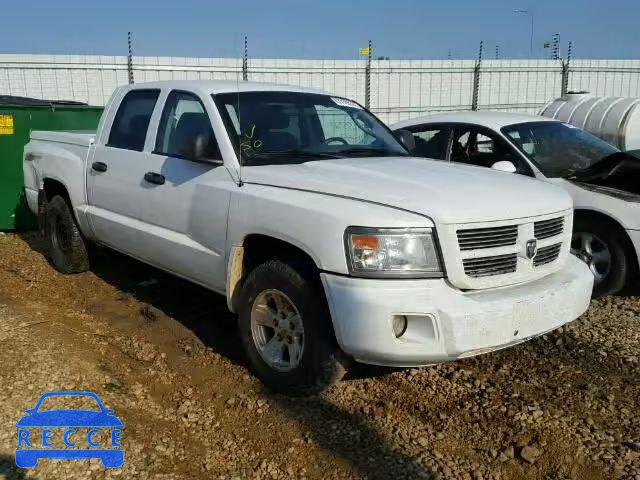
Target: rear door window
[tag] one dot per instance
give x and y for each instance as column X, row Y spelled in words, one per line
column 130, row 125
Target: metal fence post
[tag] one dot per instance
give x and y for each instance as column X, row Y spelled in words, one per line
column 476, row 79
column 555, row 53
column 566, row 69
column 245, row 61
column 367, row 93
column 130, row 59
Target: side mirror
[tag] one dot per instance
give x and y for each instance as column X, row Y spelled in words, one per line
column 407, row 139
column 196, row 148
column 504, row 166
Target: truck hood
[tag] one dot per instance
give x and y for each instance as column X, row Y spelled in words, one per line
column 442, row 191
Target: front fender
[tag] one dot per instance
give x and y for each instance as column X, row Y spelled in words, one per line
column 313, row 222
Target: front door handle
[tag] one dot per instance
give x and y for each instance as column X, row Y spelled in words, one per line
column 154, row 178
column 99, row 166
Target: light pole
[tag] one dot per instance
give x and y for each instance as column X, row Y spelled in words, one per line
column 528, row 12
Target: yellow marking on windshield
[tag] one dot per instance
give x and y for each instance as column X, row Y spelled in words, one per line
column 248, row 142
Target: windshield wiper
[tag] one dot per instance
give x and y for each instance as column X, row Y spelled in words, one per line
column 303, row 155
column 289, row 156
column 370, row 152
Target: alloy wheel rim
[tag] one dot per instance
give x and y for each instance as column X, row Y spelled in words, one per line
column 277, row 330
column 594, row 252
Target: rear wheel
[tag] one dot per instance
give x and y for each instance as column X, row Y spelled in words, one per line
column 602, row 248
column 67, row 249
column 286, row 331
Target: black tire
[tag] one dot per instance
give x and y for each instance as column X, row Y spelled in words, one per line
column 621, row 265
column 67, row 249
column 322, row 363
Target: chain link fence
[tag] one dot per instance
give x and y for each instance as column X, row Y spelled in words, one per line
column 399, row 89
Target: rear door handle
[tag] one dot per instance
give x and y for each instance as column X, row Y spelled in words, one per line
column 99, row 166
column 154, row 178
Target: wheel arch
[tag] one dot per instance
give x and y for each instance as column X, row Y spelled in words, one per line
column 257, row 248
column 597, row 216
column 49, row 189
column 52, row 187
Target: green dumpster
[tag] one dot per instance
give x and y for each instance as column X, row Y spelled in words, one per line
column 18, row 117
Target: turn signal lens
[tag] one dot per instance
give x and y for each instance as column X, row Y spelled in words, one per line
column 370, row 242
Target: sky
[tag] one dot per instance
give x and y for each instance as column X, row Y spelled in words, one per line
column 400, row 29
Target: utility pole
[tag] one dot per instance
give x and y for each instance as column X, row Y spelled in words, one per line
column 555, row 47
column 130, row 59
column 497, row 52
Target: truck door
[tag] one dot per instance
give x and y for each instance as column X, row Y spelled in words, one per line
column 185, row 203
column 115, row 171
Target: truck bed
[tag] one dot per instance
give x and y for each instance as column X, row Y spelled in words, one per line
column 49, row 153
column 80, row 138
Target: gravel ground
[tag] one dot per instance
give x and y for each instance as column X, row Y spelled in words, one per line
column 163, row 353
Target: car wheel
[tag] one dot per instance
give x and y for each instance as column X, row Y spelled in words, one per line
column 603, row 250
column 67, row 249
column 286, row 331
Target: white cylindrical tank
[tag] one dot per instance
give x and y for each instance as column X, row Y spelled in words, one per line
column 614, row 119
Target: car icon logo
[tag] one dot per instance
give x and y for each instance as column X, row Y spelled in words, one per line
column 31, row 448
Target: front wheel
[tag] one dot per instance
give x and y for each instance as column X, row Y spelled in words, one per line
column 286, row 331
column 602, row 248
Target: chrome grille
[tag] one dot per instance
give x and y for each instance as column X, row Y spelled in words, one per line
column 548, row 228
column 547, row 255
column 486, row 266
column 478, row 238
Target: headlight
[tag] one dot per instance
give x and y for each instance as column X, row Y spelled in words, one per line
column 392, row 252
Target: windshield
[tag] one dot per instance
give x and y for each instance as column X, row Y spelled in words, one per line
column 69, row 402
column 285, row 127
column 558, row 149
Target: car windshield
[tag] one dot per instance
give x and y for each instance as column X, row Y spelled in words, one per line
column 288, row 127
column 67, row 402
column 559, row 149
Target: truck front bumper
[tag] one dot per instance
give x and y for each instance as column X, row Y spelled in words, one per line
column 444, row 323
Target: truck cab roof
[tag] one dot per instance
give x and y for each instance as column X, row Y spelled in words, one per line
column 221, row 86
column 492, row 120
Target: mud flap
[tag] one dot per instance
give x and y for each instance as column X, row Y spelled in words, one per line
column 42, row 206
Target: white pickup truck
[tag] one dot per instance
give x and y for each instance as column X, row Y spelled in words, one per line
column 327, row 239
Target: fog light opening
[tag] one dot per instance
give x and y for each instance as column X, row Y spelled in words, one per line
column 399, row 325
